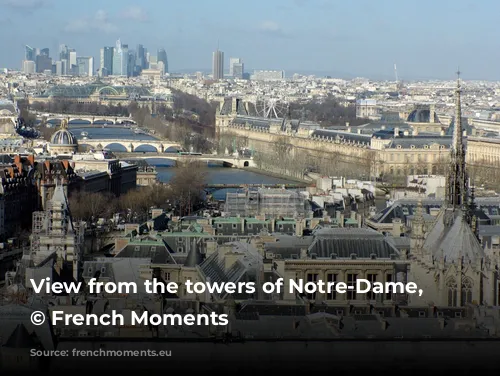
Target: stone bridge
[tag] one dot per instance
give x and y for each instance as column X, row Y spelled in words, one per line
column 226, row 160
column 109, row 119
column 131, row 145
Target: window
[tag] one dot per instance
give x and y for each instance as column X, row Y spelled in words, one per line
column 249, row 226
column 167, row 276
column 451, row 286
column 332, row 295
column 312, row 277
column 370, row 295
column 351, row 286
column 180, row 249
column 466, row 291
column 235, row 226
column 388, row 295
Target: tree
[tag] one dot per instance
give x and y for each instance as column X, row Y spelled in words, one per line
column 90, row 206
column 187, row 186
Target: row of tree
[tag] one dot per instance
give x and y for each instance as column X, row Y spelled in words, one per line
column 183, row 195
column 326, row 111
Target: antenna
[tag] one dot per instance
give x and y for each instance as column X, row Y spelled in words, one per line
column 396, row 72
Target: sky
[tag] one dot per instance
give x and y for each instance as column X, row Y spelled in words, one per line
column 426, row 39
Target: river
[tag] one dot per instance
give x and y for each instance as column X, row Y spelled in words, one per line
column 215, row 174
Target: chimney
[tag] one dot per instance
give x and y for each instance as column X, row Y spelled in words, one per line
column 396, row 132
column 415, row 131
column 31, row 159
column 442, row 133
column 347, row 124
column 17, row 159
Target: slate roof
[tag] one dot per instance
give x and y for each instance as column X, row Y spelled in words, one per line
column 155, row 250
column 363, row 139
column 21, row 339
column 453, row 241
column 343, row 242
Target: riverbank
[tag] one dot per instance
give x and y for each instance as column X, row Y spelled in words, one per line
column 276, row 175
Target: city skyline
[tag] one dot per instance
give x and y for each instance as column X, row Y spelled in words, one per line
column 364, row 39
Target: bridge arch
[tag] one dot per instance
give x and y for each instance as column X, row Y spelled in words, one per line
column 172, row 149
column 103, row 121
column 146, row 148
column 246, row 164
column 80, row 121
column 116, row 147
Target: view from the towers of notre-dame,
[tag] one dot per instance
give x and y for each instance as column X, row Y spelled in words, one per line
column 249, row 187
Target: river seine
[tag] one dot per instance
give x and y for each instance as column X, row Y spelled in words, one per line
column 215, row 174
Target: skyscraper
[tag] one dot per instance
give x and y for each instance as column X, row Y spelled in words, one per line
column 43, row 62
column 162, row 56
column 45, row 52
column 72, row 67
column 106, row 61
column 232, row 61
column 238, row 70
column 141, row 60
column 85, row 65
column 29, row 53
column 218, row 65
column 120, row 59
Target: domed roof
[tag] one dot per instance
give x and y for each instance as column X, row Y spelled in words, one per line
column 63, row 136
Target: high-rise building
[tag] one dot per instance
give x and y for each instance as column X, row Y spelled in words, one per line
column 43, row 62
column 29, row 53
column 218, row 65
column 106, row 61
column 45, row 52
column 63, row 52
column 238, row 70
column 232, row 61
column 131, row 64
column 85, row 65
column 59, row 68
column 120, row 59
column 29, row 66
column 162, row 56
column 72, row 67
column 141, row 57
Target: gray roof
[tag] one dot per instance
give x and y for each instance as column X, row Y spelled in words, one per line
column 453, row 241
column 419, row 142
column 63, row 137
column 363, row 139
column 344, row 242
column 156, row 251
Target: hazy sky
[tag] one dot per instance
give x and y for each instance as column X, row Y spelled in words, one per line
column 425, row 38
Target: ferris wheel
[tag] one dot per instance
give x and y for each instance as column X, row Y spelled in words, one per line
column 271, row 107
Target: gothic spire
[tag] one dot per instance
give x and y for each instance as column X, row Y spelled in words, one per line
column 457, row 179
column 457, row 145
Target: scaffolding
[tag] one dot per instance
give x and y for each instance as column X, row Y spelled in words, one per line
column 266, row 202
column 39, row 224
